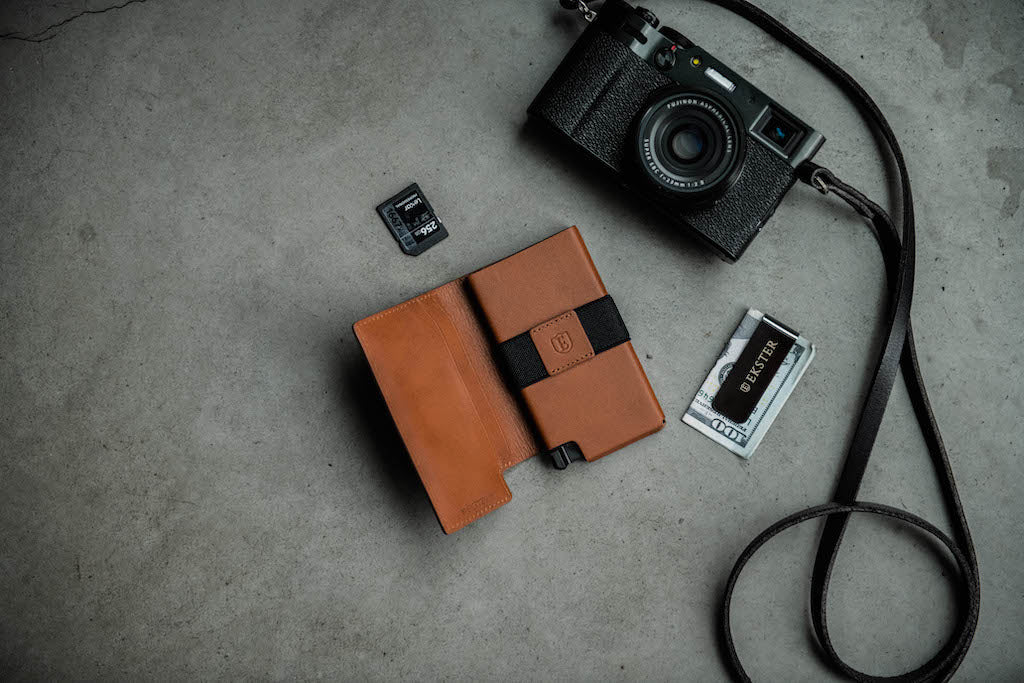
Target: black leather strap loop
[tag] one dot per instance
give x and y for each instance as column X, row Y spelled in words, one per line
column 897, row 354
column 601, row 322
column 965, row 583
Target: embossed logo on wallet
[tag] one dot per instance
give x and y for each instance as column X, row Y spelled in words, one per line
column 562, row 342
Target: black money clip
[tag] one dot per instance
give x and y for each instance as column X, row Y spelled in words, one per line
column 753, row 371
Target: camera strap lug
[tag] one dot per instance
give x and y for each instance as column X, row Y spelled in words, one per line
column 581, row 7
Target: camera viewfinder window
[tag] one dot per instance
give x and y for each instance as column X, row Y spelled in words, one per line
column 780, row 132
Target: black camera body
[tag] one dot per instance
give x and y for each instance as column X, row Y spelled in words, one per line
column 675, row 126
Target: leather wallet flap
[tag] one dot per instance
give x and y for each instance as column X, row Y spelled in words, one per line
column 460, row 424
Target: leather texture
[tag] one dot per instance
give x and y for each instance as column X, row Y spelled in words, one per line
column 602, row 405
column 732, row 222
column 561, row 343
column 536, row 284
column 603, row 402
column 433, row 358
column 593, row 99
column 460, row 424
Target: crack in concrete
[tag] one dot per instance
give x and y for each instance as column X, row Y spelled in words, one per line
column 41, row 35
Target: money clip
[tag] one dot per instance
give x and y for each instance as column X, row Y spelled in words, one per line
column 754, row 370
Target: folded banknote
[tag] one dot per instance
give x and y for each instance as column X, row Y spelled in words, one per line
column 743, row 437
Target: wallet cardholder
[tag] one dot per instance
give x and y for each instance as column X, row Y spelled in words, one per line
column 451, row 362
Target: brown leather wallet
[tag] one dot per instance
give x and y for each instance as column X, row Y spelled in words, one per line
column 450, row 362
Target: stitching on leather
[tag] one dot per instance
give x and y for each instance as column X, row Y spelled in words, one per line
column 474, row 514
column 418, row 299
column 479, row 383
column 568, row 365
column 575, row 361
column 458, row 372
column 553, row 321
column 459, row 520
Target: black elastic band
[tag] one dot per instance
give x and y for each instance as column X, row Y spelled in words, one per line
column 897, row 354
column 601, row 322
column 521, row 361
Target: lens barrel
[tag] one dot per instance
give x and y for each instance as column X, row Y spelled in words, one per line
column 688, row 145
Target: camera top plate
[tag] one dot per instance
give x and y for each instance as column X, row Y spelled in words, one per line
column 686, row 63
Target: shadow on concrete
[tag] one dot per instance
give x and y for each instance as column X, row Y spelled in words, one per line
column 387, row 459
column 943, row 566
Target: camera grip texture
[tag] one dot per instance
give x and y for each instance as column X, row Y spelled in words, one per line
column 732, row 222
column 595, row 94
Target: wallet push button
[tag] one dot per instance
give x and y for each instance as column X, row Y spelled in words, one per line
column 562, row 343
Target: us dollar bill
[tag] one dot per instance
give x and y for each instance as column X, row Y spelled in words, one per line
column 743, row 438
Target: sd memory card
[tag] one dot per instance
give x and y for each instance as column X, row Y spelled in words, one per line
column 411, row 220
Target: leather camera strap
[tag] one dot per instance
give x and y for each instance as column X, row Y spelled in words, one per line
column 897, row 354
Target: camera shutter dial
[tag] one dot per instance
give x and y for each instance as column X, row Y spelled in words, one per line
column 648, row 16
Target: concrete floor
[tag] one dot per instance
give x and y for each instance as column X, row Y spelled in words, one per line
column 199, row 480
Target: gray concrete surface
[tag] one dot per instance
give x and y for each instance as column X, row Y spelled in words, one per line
column 198, row 479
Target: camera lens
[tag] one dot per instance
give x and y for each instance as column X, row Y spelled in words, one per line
column 688, row 145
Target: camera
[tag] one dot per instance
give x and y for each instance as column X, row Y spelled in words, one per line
column 675, row 126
